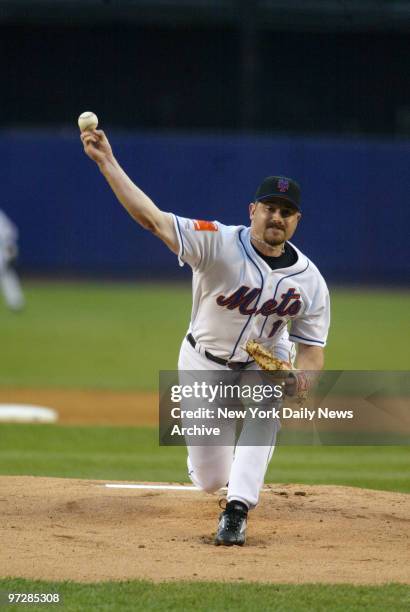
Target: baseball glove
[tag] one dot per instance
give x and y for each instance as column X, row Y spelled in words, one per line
column 296, row 382
column 264, row 358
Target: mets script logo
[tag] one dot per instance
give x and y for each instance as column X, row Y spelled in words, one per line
column 244, row 297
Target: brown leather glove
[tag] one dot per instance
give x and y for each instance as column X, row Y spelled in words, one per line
column 264, row 358
column 296, row 382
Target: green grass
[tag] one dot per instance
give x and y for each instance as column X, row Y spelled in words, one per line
column 368, row 330
column 119, row 336
column 120, row 453
column 132, row 453
column 113, row 336
column 213, row 597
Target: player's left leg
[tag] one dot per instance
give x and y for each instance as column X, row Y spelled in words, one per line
column 248, row 473
column 252, row 455
column 257, row 440
column 245, row 482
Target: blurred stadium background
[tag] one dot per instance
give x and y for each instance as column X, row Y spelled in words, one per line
column 201, row 99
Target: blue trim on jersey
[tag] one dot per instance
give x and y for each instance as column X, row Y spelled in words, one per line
column 257, row 301
column 289, row 276
column 181, row 238
column 306, row 339
column 276, row 289
column 263, row 327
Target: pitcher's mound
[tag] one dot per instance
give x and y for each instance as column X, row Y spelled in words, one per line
column 61, row 529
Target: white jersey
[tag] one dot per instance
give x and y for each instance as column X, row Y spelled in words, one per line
column 237, row 296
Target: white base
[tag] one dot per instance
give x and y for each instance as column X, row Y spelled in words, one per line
column 26, row 413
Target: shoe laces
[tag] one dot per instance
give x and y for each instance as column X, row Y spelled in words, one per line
column 234, row 519
column 234, row 516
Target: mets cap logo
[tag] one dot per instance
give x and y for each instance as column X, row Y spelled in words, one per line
column 283, row 185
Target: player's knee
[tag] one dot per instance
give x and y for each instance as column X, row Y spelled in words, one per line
column 210, row 482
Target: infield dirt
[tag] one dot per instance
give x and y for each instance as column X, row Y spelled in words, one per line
column 62, row 529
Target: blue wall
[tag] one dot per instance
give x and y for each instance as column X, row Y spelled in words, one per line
column 356, row 199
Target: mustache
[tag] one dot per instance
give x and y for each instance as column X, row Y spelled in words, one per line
column 275, row 225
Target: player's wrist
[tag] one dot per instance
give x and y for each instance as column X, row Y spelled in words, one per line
column 107, row 163
column 298, row 383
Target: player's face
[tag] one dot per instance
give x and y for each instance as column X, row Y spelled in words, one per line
column 273, row 222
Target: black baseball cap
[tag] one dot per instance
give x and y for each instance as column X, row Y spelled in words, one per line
column 278, row 187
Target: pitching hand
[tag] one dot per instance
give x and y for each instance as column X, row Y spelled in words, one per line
column 96, row 145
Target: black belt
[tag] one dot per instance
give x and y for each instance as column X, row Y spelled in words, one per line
column 233, row 365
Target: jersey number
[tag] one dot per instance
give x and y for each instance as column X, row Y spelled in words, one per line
column 275, row 327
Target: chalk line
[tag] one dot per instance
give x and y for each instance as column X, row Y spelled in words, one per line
column 160, row 487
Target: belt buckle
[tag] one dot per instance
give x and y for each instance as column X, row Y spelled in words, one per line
column 235, row 365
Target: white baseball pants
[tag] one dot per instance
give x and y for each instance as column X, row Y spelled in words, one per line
column 242, row 468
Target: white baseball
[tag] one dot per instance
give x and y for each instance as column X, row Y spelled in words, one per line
column 87, row 121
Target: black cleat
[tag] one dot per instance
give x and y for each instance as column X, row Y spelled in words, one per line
column 232, row 525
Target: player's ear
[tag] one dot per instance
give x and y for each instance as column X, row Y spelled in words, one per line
column 252, row 207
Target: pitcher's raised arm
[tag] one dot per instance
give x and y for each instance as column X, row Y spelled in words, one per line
column 141, row 208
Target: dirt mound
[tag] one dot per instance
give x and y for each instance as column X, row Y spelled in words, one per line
column 61, row 529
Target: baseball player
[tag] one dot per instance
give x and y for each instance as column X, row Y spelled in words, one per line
column 9, row 281
column 249, row 283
